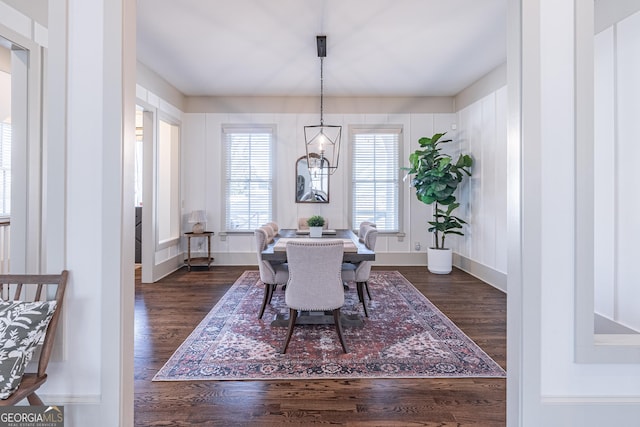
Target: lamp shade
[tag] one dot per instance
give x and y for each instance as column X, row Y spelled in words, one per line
column 198, row 218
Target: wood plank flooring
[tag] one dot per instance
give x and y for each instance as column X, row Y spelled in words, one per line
column 167, row 311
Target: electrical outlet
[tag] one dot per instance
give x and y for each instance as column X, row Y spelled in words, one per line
column 417, row 246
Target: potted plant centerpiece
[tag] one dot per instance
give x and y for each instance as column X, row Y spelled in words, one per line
column 436, row 177
column 315, row 224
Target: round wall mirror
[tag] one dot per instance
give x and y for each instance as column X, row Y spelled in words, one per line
column 312, row 180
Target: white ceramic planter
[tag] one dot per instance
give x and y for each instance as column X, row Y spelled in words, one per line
column 315, row 231
column 439, row 260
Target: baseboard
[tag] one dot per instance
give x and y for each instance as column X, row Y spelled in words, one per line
column 229, row 258
column 69, row 399
column 401, row 258
column 585, row 412
column 495, row 278
column 167, row 267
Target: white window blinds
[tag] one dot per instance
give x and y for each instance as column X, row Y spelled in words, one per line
column 249, row 177
column 375, row 175
column 5, row 169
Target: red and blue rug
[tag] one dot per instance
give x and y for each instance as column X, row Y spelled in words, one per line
column 405, row 336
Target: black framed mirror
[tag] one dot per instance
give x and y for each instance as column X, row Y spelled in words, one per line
column 312, row 180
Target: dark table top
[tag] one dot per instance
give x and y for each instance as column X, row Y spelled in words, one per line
column 363, row 253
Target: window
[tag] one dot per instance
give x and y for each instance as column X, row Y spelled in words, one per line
column 249, row 176
column 376, row 177
column 168, row 184
column 5, row 169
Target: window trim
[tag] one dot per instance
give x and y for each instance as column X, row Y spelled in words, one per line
column 378, row 128
column 3, row 212
column 227, row 128
column 172, row 121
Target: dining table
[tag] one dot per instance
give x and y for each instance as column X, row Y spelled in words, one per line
column 354, row 251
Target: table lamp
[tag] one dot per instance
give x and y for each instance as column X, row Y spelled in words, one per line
column 198, row 219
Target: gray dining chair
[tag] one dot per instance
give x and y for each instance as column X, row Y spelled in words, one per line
column 363, row 228
column 271, row 232
column 274, row 226
column 315, row 282
column 271, row 275
column 361, row 271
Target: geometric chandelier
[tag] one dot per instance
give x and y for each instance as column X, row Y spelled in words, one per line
column 322, row 142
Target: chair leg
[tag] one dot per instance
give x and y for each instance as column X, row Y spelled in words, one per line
column 34, row 400
column 265, row 298
column 272, row 290
column 293, row 314
column 361, row 297
column 366, row 285
column 336, row 320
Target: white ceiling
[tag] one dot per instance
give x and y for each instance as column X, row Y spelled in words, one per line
column 374, row 47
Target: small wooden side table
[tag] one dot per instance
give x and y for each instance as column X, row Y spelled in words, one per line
column 189, row 235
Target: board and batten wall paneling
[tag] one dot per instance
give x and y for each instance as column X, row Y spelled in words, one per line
column 617, row 130
column 482, row 134
column 628, row 227
column 604, row 143
column 203, row 131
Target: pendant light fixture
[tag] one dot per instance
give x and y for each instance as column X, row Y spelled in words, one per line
column 322, row 142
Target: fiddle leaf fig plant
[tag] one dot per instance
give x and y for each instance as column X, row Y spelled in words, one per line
column 436, row 177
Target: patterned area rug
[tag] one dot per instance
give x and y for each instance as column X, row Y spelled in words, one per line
column 405, row 336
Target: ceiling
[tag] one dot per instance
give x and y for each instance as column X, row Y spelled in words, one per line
column 374, row 47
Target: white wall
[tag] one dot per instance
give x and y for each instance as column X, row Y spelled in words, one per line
column 479, row 129
column 76, row 189
column 90, row 166
column 617, row 130
column 203, row 179
column 158, row 260
column 546, row 386
column 482, row 133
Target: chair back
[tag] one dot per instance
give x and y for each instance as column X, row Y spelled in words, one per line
column 315, row 281
column 33, row 288
column 363, row 270
column 364, row 226
column 370, row 237
column 274, row 226
column 267, row 273
column 270, row 232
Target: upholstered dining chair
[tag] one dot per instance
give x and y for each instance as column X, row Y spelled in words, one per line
column 271, row 275
column 363, row 228
column 270, row 232
column 274, row 226
column 361, row 271
column 315, row 282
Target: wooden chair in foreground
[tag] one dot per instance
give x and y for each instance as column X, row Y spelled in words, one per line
column 31, row 287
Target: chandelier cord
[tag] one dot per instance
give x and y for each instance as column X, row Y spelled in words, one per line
column 321, row 91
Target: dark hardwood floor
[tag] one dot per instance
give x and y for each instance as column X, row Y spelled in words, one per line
column 167, row 311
